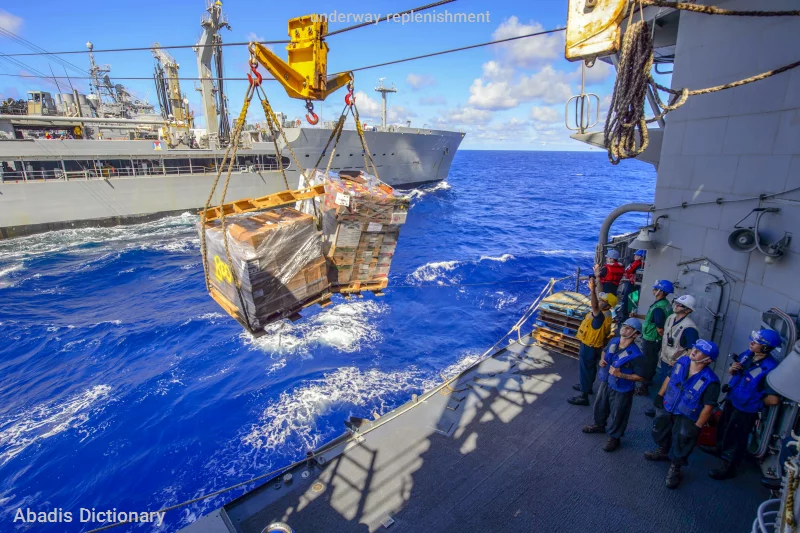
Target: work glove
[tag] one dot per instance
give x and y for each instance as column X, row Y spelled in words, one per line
column 658, row 402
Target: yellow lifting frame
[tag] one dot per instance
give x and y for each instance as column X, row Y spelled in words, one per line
column 305, row 76
column 248, row 205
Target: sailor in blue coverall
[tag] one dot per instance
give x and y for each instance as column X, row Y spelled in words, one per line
column 621, row 366
column 748, row 392
column 683, row 406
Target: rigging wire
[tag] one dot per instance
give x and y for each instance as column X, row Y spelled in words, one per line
column 36, row 48
column 282, row 41
column 396, row 61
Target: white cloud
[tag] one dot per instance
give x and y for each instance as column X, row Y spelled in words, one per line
column 420, row 81
column 597, row 74
column 432, row 100
column 10, row 22
column 530, row 51
column 546, row 115
column 493, row 70
column 463, row 115
column 370, row 109
column 548, row 86
column 252, row 36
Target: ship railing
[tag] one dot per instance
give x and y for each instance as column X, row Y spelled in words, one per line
column 105, row 173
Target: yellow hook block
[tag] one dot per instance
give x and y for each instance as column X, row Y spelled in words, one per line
column 593, row 28
column 305, row 76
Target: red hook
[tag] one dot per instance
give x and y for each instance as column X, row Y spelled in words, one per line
column 311, row 117
column 254, row 69
column 350, row 98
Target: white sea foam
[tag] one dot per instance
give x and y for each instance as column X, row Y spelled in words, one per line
column 416, row 194
column 21, row 430
column 573, row 253
column 436, row 271
column 502, row 259
column 345, row 326
column 295, row 413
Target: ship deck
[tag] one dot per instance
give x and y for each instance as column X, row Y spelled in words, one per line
column 504, row 451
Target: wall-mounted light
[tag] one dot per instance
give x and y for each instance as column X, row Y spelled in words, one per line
column 644, row 241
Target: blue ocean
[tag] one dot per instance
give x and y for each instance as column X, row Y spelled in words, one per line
column 123, row 385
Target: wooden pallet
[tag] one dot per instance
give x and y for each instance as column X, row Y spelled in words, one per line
column 556, row 342
column 355, row 288
column 293, row 314
column 248, row 205
column 559, row 321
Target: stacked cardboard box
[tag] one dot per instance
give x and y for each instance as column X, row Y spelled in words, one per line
column 277, row 259
column 361, row 218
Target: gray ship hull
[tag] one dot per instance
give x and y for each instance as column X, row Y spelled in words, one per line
column 48, row 200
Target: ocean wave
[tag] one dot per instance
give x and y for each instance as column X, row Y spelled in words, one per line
column 572, row 253
column 417, row 193
column 436, row 271
column 502, row 259
column 21, row 430
column 294, row 415
column 345, row 327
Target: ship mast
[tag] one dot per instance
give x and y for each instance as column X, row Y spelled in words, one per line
column 383, row 89
column 213, row 95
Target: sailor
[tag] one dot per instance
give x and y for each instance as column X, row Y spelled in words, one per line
column 620, row 368
column 653, row 330
column 610, row 274
column 592, row 334
column 683, row 406
column 629, row 281
column 680, row 334
column 748, row 392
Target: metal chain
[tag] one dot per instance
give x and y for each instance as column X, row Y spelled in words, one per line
column 364, row 145
column 268, row 109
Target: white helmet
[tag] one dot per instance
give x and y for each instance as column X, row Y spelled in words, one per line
column 687, row 300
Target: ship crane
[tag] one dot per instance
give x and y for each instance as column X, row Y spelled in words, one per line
column 174, row 104
column 209, row 48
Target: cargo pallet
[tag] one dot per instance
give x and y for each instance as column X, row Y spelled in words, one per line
column 354, row 288
column 560, row 315
column 249, row 205
column 293, row 314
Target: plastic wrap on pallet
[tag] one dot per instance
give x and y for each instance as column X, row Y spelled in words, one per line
column 361, row 218
column 277, row 259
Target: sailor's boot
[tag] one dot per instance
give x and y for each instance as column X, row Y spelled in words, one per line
column 611, row 444
column 582, row 399
column 726, row 471
column 661, row 454
column 594, row 428
column 674, row 476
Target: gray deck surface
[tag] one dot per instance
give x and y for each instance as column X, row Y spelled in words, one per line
column 516, row 461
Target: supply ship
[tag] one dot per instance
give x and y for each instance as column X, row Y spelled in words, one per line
column 497, row 447
column 106, row 158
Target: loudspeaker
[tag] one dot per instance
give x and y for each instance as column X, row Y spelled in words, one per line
column 742, row 240
column 786, row 378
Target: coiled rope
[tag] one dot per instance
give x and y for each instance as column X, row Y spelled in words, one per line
column 626, row 126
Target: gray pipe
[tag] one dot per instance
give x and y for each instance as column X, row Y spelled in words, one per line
column 605, row 227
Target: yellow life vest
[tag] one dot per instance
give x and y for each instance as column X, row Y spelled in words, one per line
column 595, row 338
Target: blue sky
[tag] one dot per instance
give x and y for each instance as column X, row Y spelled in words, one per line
column 507, row 96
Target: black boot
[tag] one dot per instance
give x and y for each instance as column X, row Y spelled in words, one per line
column 651, row 412
column 582, row 399
column 577, row 387
column 642, row 391
column 594, row 428
column 726, row 471
column 661, row 454
column 611, row 444
column 711, row 450
column 674, row 476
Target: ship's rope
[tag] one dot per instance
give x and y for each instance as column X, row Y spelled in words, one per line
column 229, row 158
column 626, row 126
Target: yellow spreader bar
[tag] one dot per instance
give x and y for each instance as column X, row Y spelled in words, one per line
column 248, row 205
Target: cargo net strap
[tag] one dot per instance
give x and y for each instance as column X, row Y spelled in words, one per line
column 626, row 115
column 229, row 159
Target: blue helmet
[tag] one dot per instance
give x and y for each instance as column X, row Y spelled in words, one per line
column 634, row 323
column 612, row 254
column 640, row 253
column 766, row 337
column 708, row 348
column 665, row 286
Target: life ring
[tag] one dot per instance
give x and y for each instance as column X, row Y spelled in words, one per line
column 297, row 123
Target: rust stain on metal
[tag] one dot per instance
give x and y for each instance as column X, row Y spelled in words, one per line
column 593, row 31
